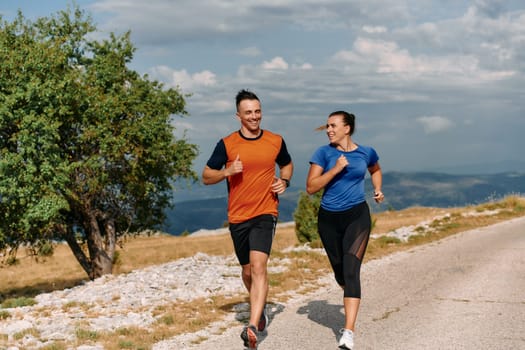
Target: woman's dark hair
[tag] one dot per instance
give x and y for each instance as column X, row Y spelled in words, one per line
column 244, row 95
column 348, row 119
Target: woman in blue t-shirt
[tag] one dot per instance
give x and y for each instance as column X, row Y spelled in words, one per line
column 344, row 221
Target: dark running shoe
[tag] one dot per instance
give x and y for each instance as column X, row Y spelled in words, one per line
column 249, row 335
column 263, row 321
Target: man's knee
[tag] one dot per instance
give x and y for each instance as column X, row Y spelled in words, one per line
column 258, row 263
column 258, row 270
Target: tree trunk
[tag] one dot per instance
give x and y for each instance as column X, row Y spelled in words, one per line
column 77, row 251
column 101, row 262
column 101, row 253
column 111, row 238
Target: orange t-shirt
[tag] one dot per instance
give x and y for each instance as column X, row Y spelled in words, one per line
column 250, row 192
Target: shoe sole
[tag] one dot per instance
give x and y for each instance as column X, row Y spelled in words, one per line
column 252, row 339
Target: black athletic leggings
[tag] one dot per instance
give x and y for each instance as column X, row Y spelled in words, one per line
column 345, row 236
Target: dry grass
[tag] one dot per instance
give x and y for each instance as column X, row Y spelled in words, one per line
column 172, row 319
column 390, row 220
column 29, row 278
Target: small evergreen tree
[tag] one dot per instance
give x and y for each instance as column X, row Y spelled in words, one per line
column 305, row 217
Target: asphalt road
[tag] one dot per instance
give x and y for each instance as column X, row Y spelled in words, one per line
column 463, row 292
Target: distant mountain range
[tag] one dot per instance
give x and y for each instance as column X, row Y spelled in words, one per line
column 402, row 190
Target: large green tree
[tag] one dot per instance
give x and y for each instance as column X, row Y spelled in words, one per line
column 87, row 150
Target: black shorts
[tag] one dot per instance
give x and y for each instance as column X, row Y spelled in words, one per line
column 253, row 234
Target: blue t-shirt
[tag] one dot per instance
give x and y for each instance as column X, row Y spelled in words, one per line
column 347, row 188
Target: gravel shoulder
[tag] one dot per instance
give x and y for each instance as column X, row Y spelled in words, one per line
column 463, row 292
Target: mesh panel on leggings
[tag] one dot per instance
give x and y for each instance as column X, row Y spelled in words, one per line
column 355, row 242
column 361, row 233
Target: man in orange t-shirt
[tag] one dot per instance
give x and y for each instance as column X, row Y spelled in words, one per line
column 246, row 159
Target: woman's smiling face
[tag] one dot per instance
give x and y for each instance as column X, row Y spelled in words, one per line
column 336, row 129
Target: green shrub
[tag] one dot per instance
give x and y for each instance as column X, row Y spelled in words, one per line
column 45, row 248
column 384, row 241
column 305, row 217
column 11, row 261
column 86, row 334
column 117, row 258
column 167, row 320
column 18, row 302
column 126, row 344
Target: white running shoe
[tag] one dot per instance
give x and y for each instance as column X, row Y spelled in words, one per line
column 347, row 339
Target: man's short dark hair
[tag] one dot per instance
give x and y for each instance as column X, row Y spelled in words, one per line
column 245, row 95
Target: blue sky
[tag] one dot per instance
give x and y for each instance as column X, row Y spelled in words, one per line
column 434, row 84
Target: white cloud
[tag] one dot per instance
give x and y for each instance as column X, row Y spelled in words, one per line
column 434, row 124
column 387, row 57
column 183, row 79
column 205, row 78
column 277, row 63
